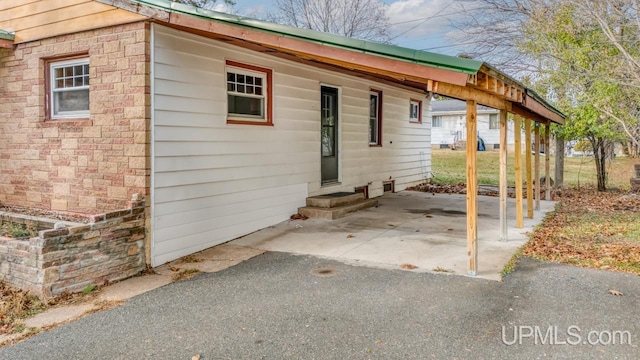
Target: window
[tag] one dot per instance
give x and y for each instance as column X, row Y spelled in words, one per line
column 248, row 94
column 493, row 121
column 436, row 121
column 68, row 88
column 415, row 111
column 375, row 118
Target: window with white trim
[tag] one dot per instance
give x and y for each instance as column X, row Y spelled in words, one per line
column 375, row 118
column 436, row 121
column 415, row 111
column 69, row 89
column 493, row 121
column 248, row 94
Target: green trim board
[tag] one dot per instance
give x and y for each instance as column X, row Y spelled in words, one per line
column 5, row 35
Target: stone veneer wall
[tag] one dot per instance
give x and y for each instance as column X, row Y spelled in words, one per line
column 69, row 258
column 83, row 166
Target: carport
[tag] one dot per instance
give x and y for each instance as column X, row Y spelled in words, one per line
column 409, row 230
column 466, row 79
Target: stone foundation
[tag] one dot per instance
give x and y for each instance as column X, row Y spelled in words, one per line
column 69, row 256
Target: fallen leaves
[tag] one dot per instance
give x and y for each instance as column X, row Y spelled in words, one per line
column 298, row 217
column 189, row 259
column 615, row 292
column 440, row 269
column 16, row 304
column 350, row 236
column 591, row 229
column 195, row 357
column 408, row 266
column 184, row 274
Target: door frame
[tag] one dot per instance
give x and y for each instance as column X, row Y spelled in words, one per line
column 338, row 131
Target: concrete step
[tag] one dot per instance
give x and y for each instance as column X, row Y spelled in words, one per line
column 336, row 211
column 333, row 200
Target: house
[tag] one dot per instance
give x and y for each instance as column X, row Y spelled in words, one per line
column 225, row 124
column 448, row 125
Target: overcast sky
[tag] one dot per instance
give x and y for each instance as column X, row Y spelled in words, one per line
column 417, row 24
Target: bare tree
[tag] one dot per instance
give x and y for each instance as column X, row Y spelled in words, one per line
column 584, row 54
column 205, row 4
column 362, row 19
column 491, row 30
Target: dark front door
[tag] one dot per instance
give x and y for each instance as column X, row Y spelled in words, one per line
column 329, row 136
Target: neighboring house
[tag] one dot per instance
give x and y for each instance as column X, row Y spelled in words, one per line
column 225, row 124
column 449, row 124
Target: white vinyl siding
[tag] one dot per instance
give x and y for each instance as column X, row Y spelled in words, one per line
column 213, row 181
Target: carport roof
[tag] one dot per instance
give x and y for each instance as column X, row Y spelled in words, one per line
column 448, row 75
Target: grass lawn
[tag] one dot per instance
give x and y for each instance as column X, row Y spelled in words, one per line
column 588, row 228
column 449, row 166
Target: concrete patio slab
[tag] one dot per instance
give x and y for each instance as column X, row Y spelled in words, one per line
column 425, row 230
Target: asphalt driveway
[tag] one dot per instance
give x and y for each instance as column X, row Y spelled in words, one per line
column 279, row 306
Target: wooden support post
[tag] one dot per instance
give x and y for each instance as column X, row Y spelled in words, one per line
column 503, row 175
column 472, row 187
column 547, row 162
column 527, row 154
column 536, row 165
column 517, row 134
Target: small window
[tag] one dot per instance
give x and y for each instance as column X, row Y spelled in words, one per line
column 375, row 118
column 68, row 89
column 493, row 121
column 248, row 94
column 415, row 111
column 436, row 122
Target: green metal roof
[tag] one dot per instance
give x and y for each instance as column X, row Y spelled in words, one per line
column 452, row 63
column 5, row 35
column 467, row 66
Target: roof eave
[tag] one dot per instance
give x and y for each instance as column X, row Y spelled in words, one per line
column 405, row 66
column 6, row 39
column 350, row 53
column 530, row 99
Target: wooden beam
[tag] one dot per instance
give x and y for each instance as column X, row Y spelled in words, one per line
column 467, row 93
column 503, row 175
column 547, row 162
column 517, row 134
column 527, row 154
column 472, row 187
column 493, row 84
column 323, row 53
column 536, row 107
column 519, row 109
column 536, row 165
